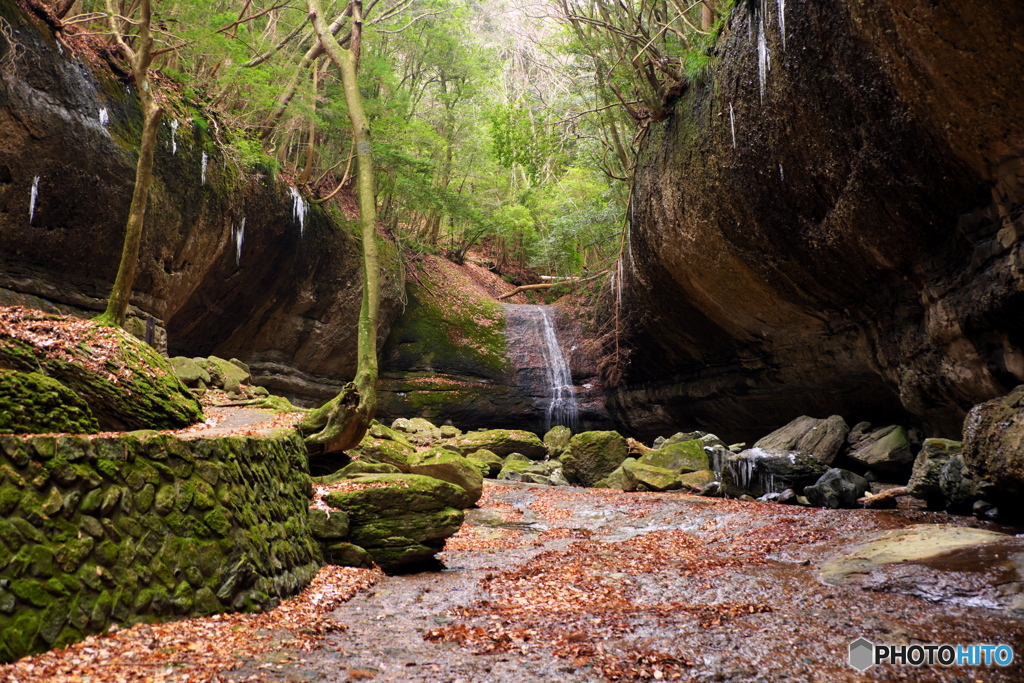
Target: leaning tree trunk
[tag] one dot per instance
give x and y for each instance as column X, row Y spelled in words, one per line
column 117, row 305
column 343, row 421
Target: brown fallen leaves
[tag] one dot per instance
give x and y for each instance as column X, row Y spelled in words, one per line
column 579, row 602
column 200, row 649
column 68, row 339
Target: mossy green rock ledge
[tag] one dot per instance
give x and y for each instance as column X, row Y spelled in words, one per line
column 501, row 442
column 401, row 520
column 31, row 403
column 126, row 383
column 451, row 467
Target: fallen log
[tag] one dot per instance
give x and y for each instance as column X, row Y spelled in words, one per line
column 885, row 499
column 548, row 285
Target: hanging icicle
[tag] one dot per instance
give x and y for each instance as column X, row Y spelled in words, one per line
column 203, row 169
column 732, row 124
column 299, row 207
column 32, row 200
column 174, row 133
column 782, row 22
column 239, row 236
column 104, row 117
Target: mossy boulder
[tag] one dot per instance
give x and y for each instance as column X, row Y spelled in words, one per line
column 125, row 382
column 347, row 555
column 592, row 456
column 189, row 371
column 619, row 477
column 225, row 374
column 379, row 431
column 401, row 519
column 557, row 440
column 938, row 476
column 31, row 403
column 358, row 468
column 695, row 481
column 487, row 461
column 679, row 457
column 886, row 451
column 514, row 462
column 501, row 442
column 451, row 467
column 328, row 525
column 386, row 451
column 655, row 478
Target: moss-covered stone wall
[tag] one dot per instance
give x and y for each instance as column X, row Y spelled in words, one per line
column 146, row 527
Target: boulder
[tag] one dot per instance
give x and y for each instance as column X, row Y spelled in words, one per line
column 450, row 467
column 384, row 451
column 678, row 437
column 680, row 457
column 758, row 471
column 489, row 463
column 225, row 374
column 557, row 440
column 501, row 442
column 619, row 479
column 401, row 520
column 591, row 456
column 514, row 463
column 938, row 476
column 346, row 555
column 379, row 431
column 189, row 371
column 414, row 425
column 837, row 489
column 655, row 478
column 696, row 481
column 821, row 438
column 328, row 525
column 886, row 451
column 993, row 451
column 31, row 403
column 358, row 468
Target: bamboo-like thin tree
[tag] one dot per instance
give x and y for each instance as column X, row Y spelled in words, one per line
column 117, row 305
column 343, row 421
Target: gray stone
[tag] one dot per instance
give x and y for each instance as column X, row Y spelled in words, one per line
column 592, row 456
column 993, row 453
column 557, row 440
column 821, row 438
column 938, row 476
column 886, row 451
column 758, row 471
column 837, row 489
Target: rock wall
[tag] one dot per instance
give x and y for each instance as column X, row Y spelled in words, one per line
column 838, row 234
column 231, row 264
column 145, row 527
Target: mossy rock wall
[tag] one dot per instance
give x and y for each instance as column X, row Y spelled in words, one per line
column 146, row 527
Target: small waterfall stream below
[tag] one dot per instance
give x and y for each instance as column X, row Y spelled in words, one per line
column 542, row 369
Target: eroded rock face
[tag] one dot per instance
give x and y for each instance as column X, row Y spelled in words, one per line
column 854, row 248
column 993, row 451
column 226, row 266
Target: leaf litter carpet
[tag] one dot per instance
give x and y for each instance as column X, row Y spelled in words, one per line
column 560, row 584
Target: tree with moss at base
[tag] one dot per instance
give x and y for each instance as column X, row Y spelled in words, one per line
column 117, row 305
column 343, row 421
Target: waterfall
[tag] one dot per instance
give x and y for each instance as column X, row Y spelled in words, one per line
column 562, row 409
column 543, row 370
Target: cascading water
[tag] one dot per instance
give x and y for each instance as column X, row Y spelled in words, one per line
column 544, row 371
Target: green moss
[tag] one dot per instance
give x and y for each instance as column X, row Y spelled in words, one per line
column 31, row 403
column 32, row 591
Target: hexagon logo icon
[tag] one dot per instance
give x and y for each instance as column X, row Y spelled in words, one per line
column 862, row 654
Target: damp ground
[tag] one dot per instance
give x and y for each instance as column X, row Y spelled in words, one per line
column 560, row 584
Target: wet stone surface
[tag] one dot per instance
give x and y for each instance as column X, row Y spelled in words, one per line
column 545, row 584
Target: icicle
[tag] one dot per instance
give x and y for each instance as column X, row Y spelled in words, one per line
column 203, row 177
column 782, row 22
column 762, row 55
column 782, row 176
column 174, row 140
column 299, row 207
column 104, row 117
column 732, row 124
column 32, row 200
column 239, row 236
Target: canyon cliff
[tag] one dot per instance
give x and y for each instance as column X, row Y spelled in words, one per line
column 831, row 222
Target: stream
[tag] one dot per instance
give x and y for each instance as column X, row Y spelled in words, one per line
column 565, row 584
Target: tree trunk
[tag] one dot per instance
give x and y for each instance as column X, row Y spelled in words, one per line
column 117, row 305
column 343, row 421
